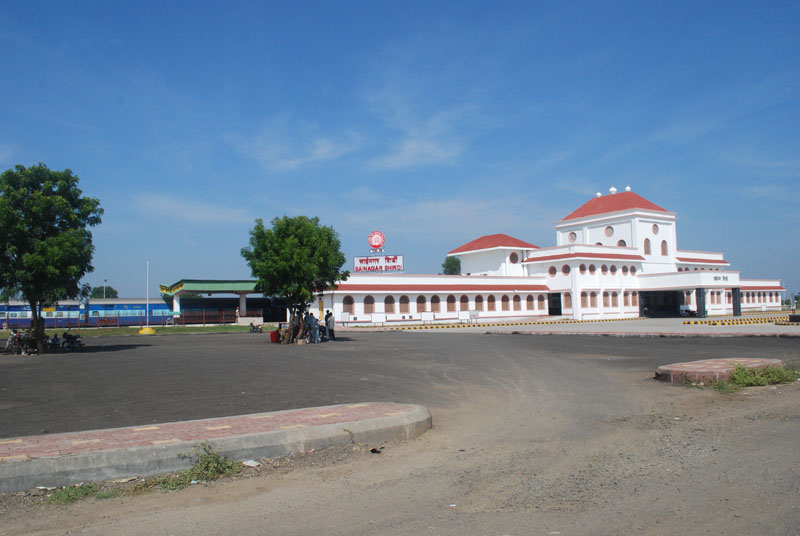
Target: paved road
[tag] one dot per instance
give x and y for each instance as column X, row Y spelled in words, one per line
column 136, row 381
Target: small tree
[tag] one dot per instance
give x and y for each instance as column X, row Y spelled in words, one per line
column 295, row 259
column 46, row 245
column 104, row 292
column 451, row 266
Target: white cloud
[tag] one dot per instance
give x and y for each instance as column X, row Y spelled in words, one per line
column 287, row 144
column 193, row 211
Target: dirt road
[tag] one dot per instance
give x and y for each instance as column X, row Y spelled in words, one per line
column 542, row 444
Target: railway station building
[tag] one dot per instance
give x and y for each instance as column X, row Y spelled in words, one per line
column 614, row 257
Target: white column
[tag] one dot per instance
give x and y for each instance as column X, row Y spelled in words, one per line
column 242, row 305
column 176, row 303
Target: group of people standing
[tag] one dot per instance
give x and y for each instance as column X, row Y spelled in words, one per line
column 313, row 328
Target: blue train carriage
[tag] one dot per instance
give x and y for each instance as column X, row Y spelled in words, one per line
column 101, row 312
column 16, row 314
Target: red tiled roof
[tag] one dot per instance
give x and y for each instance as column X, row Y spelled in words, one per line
column 358, row 287
column 493, row 241
column 614, row 203
column 702, row 261
column 620, row 256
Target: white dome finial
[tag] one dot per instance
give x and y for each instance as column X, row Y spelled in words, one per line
column 612, row 190
column 598, row 194
column 628, row 188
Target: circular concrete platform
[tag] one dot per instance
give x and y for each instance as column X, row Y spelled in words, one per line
column 710, row 369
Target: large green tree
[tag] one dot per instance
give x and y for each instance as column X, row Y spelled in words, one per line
column 451, row 266
column 104, row 292
column 45, row 238
column 295, row 259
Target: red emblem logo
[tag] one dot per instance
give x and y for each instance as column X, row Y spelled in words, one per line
column 376, row 240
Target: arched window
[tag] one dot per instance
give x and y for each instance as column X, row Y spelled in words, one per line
column 626, row 299
column 635, row 299
column 592, row 269
column 624, row 270
column 422, row 304
column 369, row 305
column 604, row 269
column 621, row 243
column 435, row 304
column 593, row 298
column 388, row 304
column 584, row 300
column 348, row 304
column 633, row 270
column 529, row 303
column 728, row 297
column 567, row 300
column 605, row 299
column 479, row 303
column 688, row 297
column 680, row 269
column 491, row 303
column 451, row 303
column 582, row 268
column 463, row 303
column 647, row 246
column 613, row 269
column 540, row 302
column 517, row 303
column 614, row 299
column 403, row 304
column 505, row 302
column 664, row 248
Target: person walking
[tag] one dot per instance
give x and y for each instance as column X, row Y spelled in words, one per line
column 329, row 324
column 314, row 323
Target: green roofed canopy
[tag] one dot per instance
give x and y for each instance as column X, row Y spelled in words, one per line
column 207, row 286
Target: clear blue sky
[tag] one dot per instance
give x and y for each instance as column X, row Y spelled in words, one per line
column 434, row 122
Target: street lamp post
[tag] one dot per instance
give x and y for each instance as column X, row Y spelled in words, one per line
column 105, row 283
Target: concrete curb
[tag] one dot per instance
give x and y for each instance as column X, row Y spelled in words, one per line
column 151, row 460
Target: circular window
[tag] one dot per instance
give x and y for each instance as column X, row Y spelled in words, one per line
column 655, row 228
column 624, row 270
column 609, row 231
column 514, row 258
column 604, row 269
column 582, row 268
column 622, row 243
column 565, row 269
column 572, row 237
column 613, row 269
column 592, row 269
column 552, row 271
column 633, row 270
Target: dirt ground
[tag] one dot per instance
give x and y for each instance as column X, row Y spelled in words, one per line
column 604, row 451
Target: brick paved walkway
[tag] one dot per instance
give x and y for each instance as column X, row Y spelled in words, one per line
column 20, row 449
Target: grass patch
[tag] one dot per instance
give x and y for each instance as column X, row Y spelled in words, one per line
column 752, row 377
column 108, row 494
column 207, row 465
column 73, row 493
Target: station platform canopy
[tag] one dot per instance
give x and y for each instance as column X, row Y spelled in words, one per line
column 210, row 286
column 242, row 287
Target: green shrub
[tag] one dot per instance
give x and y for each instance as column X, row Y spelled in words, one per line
column 73, row 493
column 747, row 377
column 207, row 465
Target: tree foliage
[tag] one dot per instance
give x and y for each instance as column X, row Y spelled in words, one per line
column 46, row 244
column 294, row 259
column 104, row 292
column 451, row 266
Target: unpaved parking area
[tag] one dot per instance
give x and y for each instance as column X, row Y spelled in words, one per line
column 532, row 435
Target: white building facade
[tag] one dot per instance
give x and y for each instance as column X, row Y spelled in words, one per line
column 616, row 256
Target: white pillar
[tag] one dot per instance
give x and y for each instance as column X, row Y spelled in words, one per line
column 242, row 305
column 176, row 303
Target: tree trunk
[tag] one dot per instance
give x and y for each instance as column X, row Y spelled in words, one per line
column 37, row 328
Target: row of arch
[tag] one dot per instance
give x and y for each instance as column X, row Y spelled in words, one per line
column 715, row 297
column 434, row 305
column 697, row 269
